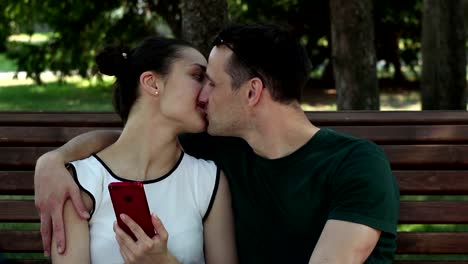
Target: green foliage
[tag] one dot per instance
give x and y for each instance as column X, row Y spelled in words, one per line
column 81, row 27
column 395, row 21
column 398, row 33
column 309, row 20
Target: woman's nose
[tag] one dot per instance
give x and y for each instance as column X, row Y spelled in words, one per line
column 203, row 96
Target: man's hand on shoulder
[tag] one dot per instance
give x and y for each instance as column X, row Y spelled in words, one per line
column 53, row 185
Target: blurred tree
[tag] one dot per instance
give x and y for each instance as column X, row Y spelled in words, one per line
column 4, row 33
column 308, row 20
column 199, row 26
column 397, row 28
column 170, row 11
column 13, row 21
column 80, row 27
column 4, row 27
column 465, row 10
column 354, row 56
column 443, row 83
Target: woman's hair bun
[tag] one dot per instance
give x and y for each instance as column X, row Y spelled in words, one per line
column 112, row 60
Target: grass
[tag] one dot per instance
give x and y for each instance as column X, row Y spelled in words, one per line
column 57, row 96
column 6, row 64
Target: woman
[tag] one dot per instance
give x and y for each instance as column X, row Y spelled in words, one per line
column 155, row 94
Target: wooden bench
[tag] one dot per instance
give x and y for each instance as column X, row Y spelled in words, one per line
column 428, row 152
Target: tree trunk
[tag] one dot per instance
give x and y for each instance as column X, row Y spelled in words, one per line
column 465, row 11
column 170, row 11
column 353, row 54
column 443, row 84
column 202, row 20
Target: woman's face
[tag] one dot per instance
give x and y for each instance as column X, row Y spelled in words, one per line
column 182, row 85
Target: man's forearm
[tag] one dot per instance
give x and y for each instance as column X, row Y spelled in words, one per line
column 85, row 144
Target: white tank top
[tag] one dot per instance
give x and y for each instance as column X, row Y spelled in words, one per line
column 182, row 199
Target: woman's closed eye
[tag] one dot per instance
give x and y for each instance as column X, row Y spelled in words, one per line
column 200, row 77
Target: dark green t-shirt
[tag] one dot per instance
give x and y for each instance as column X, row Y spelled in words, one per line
column 281, row 205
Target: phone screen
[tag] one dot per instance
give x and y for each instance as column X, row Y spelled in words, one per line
column 129, row 198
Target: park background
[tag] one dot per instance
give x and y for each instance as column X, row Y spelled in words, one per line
column 405, row 55
column 366, row 55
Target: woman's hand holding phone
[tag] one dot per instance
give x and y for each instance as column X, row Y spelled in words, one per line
column 145, row 249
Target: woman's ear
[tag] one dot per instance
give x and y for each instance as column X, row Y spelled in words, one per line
column 254, row 92
column 149, row 83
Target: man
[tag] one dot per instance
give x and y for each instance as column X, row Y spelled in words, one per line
column 299, row 193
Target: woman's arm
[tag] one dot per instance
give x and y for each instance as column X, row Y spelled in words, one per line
column 53, row 185
column 220, row 243
column 77, row 233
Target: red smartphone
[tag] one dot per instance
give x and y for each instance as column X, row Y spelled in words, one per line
column 129, row 198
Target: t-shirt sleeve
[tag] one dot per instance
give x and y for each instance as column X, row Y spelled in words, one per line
column 365, row 191
column 87, row 180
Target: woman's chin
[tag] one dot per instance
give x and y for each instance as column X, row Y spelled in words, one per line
column 199, row 127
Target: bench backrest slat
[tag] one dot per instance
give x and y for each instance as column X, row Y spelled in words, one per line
column 433, row 243
column 18, row 211
column 17, row 182
column 411, row 182
column 409, row 242
column 383, row 135
column 412, row 212
column 20, row 241
column 435, row 182
column 433, row 212
column 401, row 156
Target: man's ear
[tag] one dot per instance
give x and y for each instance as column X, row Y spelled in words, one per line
column 149, row 83
column 255, row 90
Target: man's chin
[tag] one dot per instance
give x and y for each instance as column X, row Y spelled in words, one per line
column 212, row 131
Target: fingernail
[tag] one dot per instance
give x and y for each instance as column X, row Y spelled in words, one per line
column 60, row 249
column 122, row 216
column 46, row 254
column 85, row 214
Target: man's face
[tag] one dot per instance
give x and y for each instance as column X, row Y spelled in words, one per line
column 223, row 105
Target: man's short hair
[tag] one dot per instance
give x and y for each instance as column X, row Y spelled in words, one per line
column 269, row 52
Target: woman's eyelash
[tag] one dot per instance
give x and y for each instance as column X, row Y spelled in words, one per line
column 199, row 77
